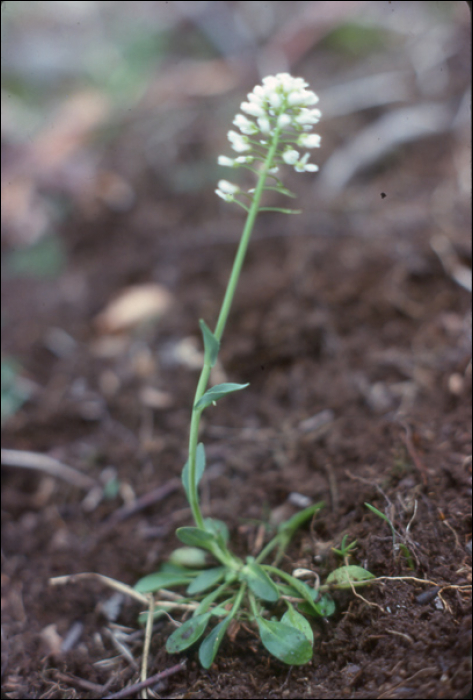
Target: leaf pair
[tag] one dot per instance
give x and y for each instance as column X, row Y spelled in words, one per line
column 191, row 630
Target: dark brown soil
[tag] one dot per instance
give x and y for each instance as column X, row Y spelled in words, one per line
column 345, row 309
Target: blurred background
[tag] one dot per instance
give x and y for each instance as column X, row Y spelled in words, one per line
column 113, row 115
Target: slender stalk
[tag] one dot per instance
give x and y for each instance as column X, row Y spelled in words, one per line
column 222, row 319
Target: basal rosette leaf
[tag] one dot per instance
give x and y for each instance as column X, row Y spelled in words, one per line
column 154, row 582
column 188, row 633
column 206, row 579
column 294, row 619
column 286, row 643
column 209, row 647
column 259, row 581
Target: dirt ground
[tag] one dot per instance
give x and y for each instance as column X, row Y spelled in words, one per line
column 352, row 328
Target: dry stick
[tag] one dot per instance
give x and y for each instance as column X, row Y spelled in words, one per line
column 81, row 682
column 147, row 644
column 117, row 585
column 35, row 460
column 132, row 689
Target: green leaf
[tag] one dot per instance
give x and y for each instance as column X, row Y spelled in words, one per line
column 195, row 537
column 211, row 344
column 324, row 607
column 191, row 557
column 199, row 469
column 217, row 528
column 378, row 513
column 216, row 393
column 294, row 619
column 206, row 580
column 356, row 575
column 284, row 642
column 169, row 567
column 289, row 527
column 209, row 647
column 154, row 582
column 259, row 581
column 301, row 588
column 188, row 633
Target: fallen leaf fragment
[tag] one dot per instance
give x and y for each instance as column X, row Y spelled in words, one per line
column 132, row 307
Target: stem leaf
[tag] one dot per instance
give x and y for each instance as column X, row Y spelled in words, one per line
column 188, row 633
column 346, row 575
column 199, row 469
column 216, row 393
column 206, row 579
column 259, row 581
column 284, row 642
column 211, row 344
column 209, row 647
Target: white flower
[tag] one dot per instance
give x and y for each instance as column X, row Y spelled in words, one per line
column 290, row 156
column 309, row 141
column 245, row 125
column 264, row 125
column 303, row 166
column 302, row 98
column 226, row 190
column 239, row 142
column 228, row 187
column 308, row 116
column 226, row 162
column 253, row 108
column 284, row 120
column 275, row 100
column 282, row 108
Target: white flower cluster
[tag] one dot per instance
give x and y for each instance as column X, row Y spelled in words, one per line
column 280, row 110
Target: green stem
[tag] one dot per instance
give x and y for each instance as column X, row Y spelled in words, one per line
column 222, row 319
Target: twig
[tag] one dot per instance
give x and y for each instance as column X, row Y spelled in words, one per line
column 118, row 585
column 132, row 689
column 147, row 644
column 35, row 460
column 81, row 682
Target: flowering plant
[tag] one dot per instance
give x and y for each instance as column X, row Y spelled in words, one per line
column 277, row 121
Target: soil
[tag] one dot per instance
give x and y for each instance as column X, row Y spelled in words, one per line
column 356, row 341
